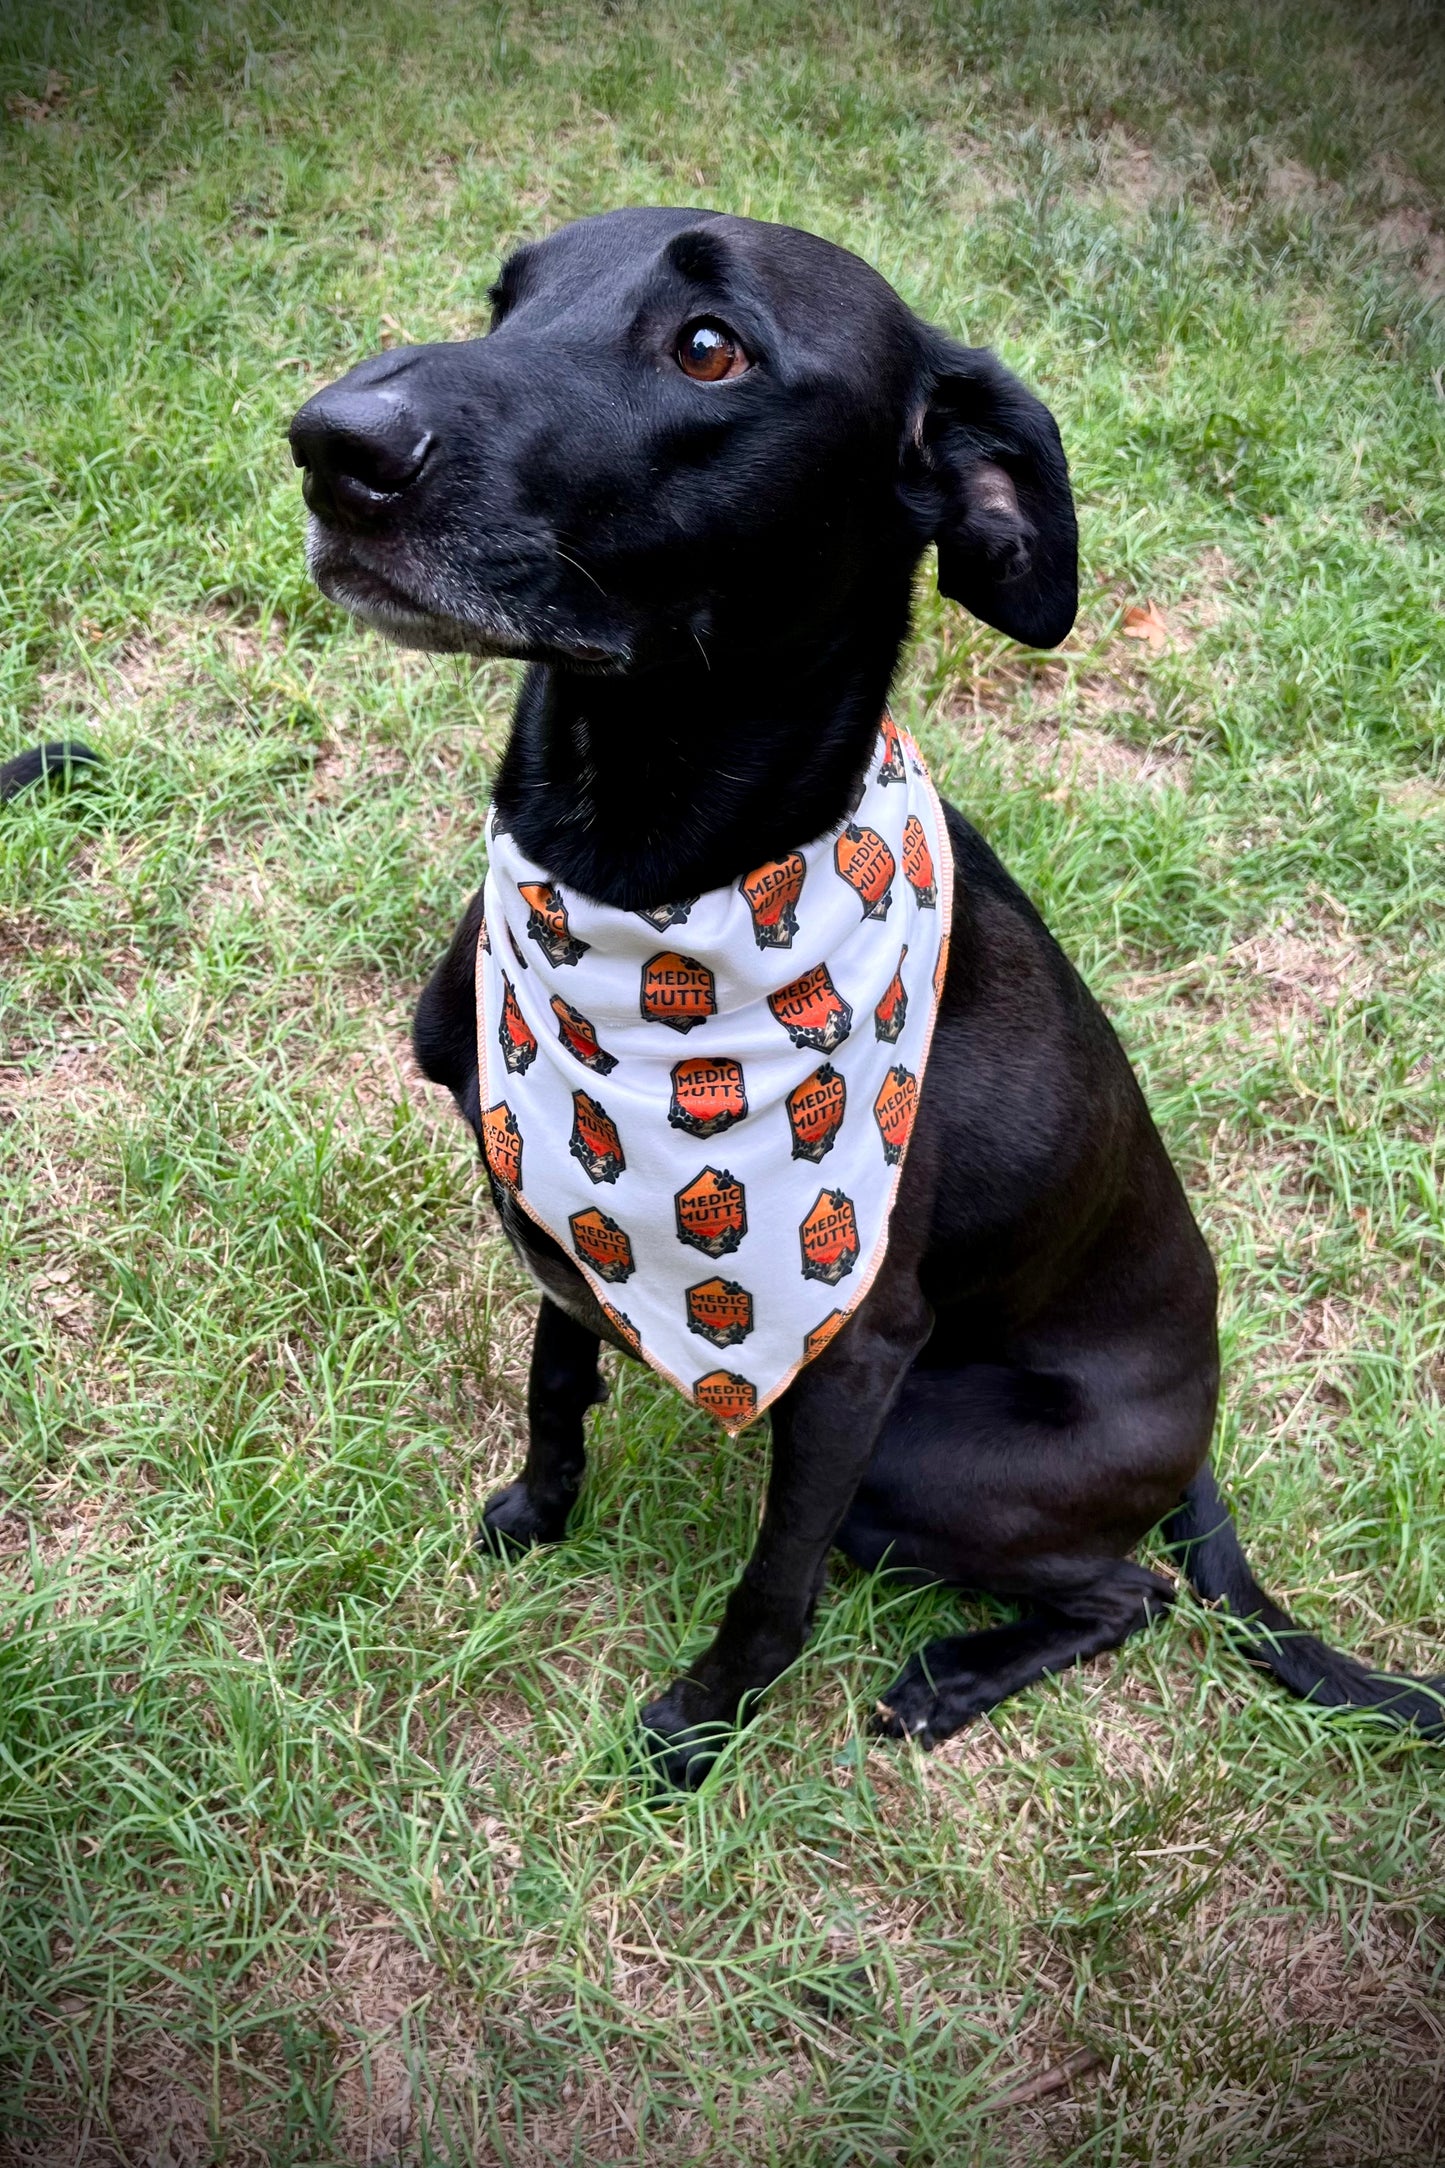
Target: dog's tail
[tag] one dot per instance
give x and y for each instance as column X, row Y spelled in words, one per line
column 1202, row 1537
column 55, row 762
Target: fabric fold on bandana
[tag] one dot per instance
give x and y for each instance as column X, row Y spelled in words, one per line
column 707, row 1105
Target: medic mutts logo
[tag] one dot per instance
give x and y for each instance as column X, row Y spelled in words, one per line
column 515, row 1035
column 812, row 1011
column 580, row 1037
column 502, row 1145
column 602, row 1244
column 829, row 1238
column 720, row 1311
column 595, row 1144
column 771, row 893
column 891, row 1014
column 624, row 1328
column 727, row 1396
column 893, row 1110
column 707, row 1095
column 711, row 1212
column 822, row 1333
column 865, row 862
column 663, row 916
column 892, row 768
column 815, row 1112
column 547, row 923
column 677, row 991
column 918, row 863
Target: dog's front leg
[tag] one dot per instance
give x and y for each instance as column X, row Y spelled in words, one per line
column 824, row 1429
column 562, row 1385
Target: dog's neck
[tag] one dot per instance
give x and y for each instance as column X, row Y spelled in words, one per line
column 643, row 790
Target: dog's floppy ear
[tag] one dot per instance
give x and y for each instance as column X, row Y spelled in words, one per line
column 990, row 477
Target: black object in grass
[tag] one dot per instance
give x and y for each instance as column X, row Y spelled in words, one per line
column 56, row 762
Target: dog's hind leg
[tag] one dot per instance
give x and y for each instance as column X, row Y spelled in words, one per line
column 950, row 1681
column 1023, row 1484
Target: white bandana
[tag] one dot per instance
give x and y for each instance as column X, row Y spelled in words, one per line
column 707, row 1105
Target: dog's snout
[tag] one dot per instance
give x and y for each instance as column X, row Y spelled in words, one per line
column 359, row 449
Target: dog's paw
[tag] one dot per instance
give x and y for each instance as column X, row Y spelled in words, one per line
column 928, row 1709
column 512, row 1522
column 676, row 1753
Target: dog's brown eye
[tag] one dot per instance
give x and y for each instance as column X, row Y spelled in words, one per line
column 707, row 351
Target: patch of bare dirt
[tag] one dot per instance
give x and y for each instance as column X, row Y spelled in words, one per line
column 1069, row 745
column 1289, row 970
column 77, row 1078
column 1131, row 170
column 71, row 1194
column 376, row 1980
column 1340, row 2018
column 382, row 1074
column 1295, row 971
column 1058, row 719
column 383, row 1997
column 1406, row 229
column 1418, row 798
column 1137, row 1743
column 1370, row 1985
column 165, row 657
column 1296, row 186
column 1411, row 233
column 1085, row 758
column 64, row 1521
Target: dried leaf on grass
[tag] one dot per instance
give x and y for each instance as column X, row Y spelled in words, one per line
column 1146, row 621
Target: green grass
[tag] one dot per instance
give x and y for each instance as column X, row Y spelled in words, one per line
column 321, row 1844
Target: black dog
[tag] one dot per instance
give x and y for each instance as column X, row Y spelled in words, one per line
column 688, row 477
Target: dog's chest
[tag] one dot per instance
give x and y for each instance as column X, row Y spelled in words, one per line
column 706, row 1107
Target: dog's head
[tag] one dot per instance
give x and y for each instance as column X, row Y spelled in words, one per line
column 683, row 431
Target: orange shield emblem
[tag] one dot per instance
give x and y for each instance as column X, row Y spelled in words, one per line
column 580, row 1037
column 894, row 1109
column 865, row 862
column 547, row 923
column 891, row 1014
column 707, row 1095
column 812, row 1011
column 677, row 991
column 892, row 768
column 665, row 915
column 771, row 893
column 815, row 1112
column 711, row 1213
column 602, row 1244
column 720, row 1311
column 727, row 1396
column 829, row 1236
column 821, row 1334
column 624, row 1328
column 918, row 863
column 595, row 1144
column 502, row 1145
column 515, row 1035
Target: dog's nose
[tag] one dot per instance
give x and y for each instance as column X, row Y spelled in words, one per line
column 359, row 449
